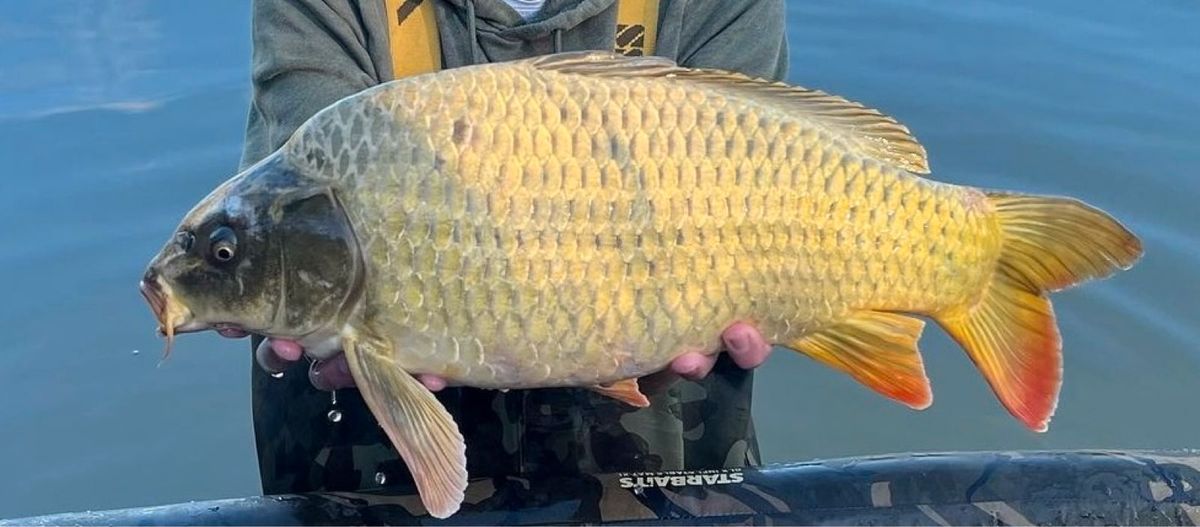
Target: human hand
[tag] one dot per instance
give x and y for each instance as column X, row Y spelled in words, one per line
column 276, row 355
column 743, row 342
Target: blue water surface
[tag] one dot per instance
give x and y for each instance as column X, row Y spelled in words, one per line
column 117, row 115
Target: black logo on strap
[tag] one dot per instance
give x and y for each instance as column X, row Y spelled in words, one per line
column 631, row 40
column 406, row 9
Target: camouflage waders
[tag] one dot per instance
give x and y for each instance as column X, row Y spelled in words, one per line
column 555, row 431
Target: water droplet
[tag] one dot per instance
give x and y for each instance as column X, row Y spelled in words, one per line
column 135, row 352
column 334, row 415
column 277, row 375
column 380, row 478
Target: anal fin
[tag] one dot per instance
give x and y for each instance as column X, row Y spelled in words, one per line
column 625, row 390
column 879, row 350
column 418, row 425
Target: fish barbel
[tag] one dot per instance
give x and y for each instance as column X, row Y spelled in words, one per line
column 582, row 219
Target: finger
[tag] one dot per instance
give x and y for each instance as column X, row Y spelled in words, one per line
column 267, row 359
column 746, row 345
column 433, row 382
column 331, row 374
column 693, row 365
column 288, row 350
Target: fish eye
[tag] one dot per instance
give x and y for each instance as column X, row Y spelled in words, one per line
column 223, row 244
column 185, row 240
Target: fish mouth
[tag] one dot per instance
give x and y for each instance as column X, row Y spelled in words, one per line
column 154, row 297
column 173, row 317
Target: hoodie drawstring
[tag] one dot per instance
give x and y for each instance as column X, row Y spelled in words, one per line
column 477, row 56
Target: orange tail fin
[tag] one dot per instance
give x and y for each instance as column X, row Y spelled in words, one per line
column 1011, row 335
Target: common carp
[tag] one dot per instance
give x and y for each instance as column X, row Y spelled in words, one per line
column 582, row 219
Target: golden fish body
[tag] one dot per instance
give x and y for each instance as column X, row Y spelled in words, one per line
column 583, row 219
column 527, row 227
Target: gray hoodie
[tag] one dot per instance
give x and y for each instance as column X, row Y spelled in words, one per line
column 310, row 53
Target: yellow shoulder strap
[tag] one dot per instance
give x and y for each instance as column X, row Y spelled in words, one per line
column 413, row 37
column 637, row 27
column 416, row 48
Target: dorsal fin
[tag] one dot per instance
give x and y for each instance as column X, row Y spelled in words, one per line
column 869, row 132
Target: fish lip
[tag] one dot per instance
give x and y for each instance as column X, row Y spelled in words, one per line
column 158, row 302
column 159, row 298
column 187, row 327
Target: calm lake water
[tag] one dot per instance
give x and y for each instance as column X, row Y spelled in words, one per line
column 116, row 116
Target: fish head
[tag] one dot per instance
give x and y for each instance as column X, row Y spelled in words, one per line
column 270, row 252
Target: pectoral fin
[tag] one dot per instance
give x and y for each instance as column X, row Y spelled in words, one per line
column 418, row 425
column 625, row 391
column 879, row 350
